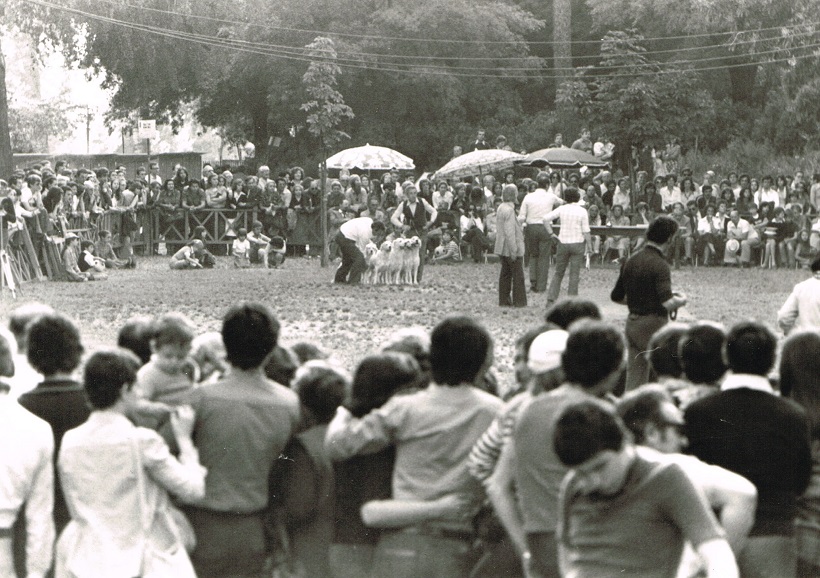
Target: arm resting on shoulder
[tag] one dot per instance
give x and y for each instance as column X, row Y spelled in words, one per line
column 403, row 513
column 501, row 492
column 735, row 498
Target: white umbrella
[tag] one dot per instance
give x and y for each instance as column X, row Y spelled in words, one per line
column 370, row 158
column 478, row 162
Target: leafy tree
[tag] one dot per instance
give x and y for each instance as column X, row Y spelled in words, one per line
column 325, row 112
column 31, row 126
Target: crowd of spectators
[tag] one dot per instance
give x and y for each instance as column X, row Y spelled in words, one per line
column 180, row 453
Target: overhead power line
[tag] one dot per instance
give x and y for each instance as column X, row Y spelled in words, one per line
column 302, row 55
column 439, row 40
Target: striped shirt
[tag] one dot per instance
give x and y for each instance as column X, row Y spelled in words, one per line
column 574, row 222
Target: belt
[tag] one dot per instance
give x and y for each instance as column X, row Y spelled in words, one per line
column 463, row 535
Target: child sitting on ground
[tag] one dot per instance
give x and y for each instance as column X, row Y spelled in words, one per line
column 166, row 380
column 276, row 252
column 448, row 250
column 89, row 263
column 259, row 244
column 105, row 251
column 241, row 249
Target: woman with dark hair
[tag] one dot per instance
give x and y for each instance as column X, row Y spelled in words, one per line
column 116, row 478
column 782, row 188
column 362, row 479
column 54, row 350
column 745, row 204
column 181, row 179
column 168, row 205
column 800, row 380
column 728, row 196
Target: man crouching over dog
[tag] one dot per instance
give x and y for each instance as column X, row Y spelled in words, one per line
column 352, row 238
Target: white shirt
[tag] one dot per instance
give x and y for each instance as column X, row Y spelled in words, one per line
column 240, row 248
column 358, row 230
column 107, row 533
column 670, row 196
column 536, row 205
column 27, row 477
column 747, row 380
column 739, row 231
column 447, row 197
column 767, row 196
column 574, row 222
column 704, row 225
column 801, row 309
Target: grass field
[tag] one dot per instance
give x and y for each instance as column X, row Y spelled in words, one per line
column 352, row 321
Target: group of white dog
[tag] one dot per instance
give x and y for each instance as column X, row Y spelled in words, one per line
column 396, row 262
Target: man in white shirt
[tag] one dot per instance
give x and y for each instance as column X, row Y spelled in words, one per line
column 802, row 308
column 767, row 193
column 573, row 240
column 153, row 173
column 537, row 239
column 414, row 217
column 670, row 194
column 27, row 471
column 741, row 231
column 353, row 237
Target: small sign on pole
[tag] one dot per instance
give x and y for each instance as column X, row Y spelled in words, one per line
column 147, row 128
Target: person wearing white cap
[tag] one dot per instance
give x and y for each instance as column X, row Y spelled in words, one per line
column 493, row 458
column 591, row 361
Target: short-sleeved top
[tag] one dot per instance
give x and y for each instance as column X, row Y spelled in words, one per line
column 243, row 423
column 539, row 472
column 646, row 282
column 641, row 531
column 434, row 431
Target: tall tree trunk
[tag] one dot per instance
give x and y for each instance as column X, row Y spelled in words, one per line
column 562, row 37
column 6, row 157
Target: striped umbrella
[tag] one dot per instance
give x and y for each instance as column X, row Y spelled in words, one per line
column 370, row 158
column 478, row 162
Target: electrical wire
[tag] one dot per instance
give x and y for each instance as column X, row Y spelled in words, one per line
column 354, row 57
column 436, row 40
column 302, row 55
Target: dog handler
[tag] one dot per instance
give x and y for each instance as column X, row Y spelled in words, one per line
column 645, row 287
column 352, row 238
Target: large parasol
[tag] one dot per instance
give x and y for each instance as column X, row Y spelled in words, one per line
column 478, row 162
column 370, row 158
column 562, row 158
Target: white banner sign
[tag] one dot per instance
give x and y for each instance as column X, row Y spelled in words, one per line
column 147, row 128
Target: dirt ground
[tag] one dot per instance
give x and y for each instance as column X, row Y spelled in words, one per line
column 352, row 321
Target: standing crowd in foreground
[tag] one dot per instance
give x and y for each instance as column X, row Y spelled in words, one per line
column 226, row 454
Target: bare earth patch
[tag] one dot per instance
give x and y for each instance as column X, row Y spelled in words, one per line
column 352, row 321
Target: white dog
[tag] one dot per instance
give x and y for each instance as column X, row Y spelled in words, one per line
column 411, row 261
column 381, row 262
column 370, row 252
column 395, row 262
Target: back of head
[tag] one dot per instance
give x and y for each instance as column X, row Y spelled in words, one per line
column 800, row 373
column 543, row 180
column 250, row 331
column 136, row 335
column 567, row 311
column 105, row 373
column 661, row 230
column 571, row 195
column 586, row 429
column 281, row 365
column 173, row 329
column 750, row 348
column 321, row 388
column 459, row 347
column 6, row 359
column 663, row 348
column 307, row 351
column 378, row 377
column 546, row 350
column 642, row 406
column 21, row 318
column 414, row 341
column 509, row 193
column 701, row 352
column 595, row 351
column 54, row 344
